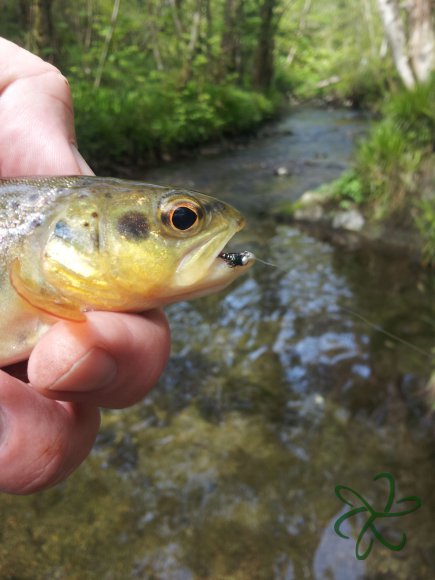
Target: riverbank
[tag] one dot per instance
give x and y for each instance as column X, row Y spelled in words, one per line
column 318, row 213
column 388, row 197
column 134, row 128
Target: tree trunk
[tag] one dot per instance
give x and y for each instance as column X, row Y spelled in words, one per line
column 175, row 8
column 300, row 31
column 264, row 69
column 395, row 32
column 422, row 39
column 368, row 17
column 230, row 37
column 155, row 47
column 39, row 24
column 192, row 47
column 87, row 41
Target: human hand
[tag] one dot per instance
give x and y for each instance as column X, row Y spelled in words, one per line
column 48, row 425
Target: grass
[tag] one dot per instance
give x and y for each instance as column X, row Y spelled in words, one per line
column 393, row 178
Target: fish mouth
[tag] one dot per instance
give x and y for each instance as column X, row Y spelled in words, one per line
column 227, row 266
column 209, row 268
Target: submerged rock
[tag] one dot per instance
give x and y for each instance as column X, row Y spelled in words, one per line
column 310, row 213
column 351, row 220
column 320, row 207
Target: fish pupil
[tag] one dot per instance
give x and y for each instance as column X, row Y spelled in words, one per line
column 184, row 218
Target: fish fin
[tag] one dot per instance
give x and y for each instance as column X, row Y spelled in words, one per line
column 41, row 298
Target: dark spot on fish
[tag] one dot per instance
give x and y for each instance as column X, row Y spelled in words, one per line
column 33, row 197
column 94, row 214
column 108, row 195
column 133, row 225
column 63, row 231
column 86, row 224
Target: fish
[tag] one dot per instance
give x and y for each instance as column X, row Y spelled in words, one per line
column 73, row 244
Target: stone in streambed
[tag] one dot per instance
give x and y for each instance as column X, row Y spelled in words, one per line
column 351, row 220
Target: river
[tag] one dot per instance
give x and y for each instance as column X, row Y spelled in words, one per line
column 277, row 392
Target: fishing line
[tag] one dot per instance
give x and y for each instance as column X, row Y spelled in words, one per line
column 366, row 321
column 257, row 259
column 387, row 333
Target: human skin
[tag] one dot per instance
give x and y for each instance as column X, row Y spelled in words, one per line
column 48, row 422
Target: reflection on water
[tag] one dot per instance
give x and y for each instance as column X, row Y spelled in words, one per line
column 274, row 395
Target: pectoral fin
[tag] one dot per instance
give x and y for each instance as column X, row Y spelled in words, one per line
column 42, row 297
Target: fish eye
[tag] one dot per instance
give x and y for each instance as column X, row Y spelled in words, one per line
column 184, row 217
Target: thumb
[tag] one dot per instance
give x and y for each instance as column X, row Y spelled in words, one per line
column 37, row 134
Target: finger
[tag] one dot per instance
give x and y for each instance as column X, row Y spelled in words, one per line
column 111, row 360
column 36, row 117
column 41, row 441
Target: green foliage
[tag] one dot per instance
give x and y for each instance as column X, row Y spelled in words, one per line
column 157, row 77
column 347, row 189
column 138, row 126
column 413, row 112
column 331, row 50
column 393, row 164
column 239, row 109
column 363, row 86
column 387, row 164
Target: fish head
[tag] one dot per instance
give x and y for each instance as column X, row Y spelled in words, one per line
column 168, row 246
column 128, row 246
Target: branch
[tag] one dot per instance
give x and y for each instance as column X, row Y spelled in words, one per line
column 106, row 45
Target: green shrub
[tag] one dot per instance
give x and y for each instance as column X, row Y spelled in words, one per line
column 389, row 162
column 413, row 112
column 363, row 86
column 348, row 189
column 136, row 126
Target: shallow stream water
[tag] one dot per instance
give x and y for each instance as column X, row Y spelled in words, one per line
column 275, row 394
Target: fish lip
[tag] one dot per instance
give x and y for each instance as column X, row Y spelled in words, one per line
column 219, row 275
column 201, row 247
column 221, row 267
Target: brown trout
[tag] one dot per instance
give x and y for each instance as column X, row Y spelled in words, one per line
column 73, row 244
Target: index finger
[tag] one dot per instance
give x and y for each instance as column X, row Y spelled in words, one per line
column 111, row 360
